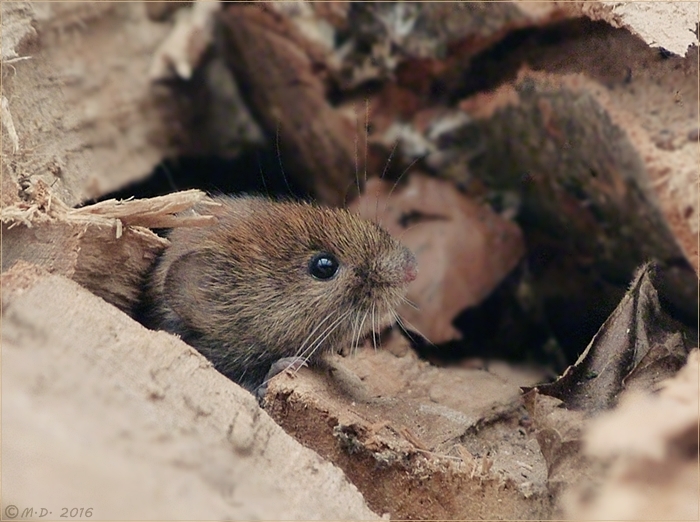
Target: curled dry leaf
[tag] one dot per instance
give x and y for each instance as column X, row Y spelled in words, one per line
column 638, row 346
column 464, row 249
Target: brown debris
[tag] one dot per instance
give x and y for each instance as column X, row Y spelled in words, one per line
column 276, row 70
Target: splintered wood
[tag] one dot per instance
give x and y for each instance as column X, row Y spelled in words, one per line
column 107, row 247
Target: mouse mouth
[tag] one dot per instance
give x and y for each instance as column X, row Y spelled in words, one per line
column 354, row 329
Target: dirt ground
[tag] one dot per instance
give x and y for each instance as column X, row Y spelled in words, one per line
column 540, row 160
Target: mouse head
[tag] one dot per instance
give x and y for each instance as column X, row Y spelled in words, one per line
column 292, row 276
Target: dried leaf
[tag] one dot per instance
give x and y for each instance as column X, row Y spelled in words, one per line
column 637, row 346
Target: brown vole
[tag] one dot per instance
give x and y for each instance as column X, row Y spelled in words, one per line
column 276, row 280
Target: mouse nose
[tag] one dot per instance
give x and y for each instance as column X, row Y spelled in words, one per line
column 410, row 271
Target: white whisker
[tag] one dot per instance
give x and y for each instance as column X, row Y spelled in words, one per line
column 355, row 339
column 396, row 183
column 304, row 343
column 388, row 161
column 316, row 345
column 386, row 167
column 357, row 150
column 279, row 156
column 366, row 135
column 357, row 332
column 353, row 331
column 410, row 303
column 374, row 327
column 313, row 345
column 406, row 325
column 362, row 326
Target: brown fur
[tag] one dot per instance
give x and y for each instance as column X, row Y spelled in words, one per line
column 240, row 291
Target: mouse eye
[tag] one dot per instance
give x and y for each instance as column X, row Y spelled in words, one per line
column 323, row 266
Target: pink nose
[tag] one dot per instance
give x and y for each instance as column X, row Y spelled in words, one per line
column 410, row 273
column 411, row 268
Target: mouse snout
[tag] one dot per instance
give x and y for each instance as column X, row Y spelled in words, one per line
column 410, row 266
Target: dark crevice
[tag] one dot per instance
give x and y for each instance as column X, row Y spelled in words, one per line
column 501, row 62
column 497, row 328
column 256, row 172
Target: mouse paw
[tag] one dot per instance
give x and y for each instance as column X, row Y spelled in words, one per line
column 286, row 364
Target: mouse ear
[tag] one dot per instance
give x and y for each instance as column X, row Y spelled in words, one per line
column 184, row 289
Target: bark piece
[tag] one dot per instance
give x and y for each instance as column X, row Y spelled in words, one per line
column 159, row 212
column 86, row 119
column 657, row 128
column 275, row 69
column 420, row 442
column 89, row 254
column 96, row 409
column 583, row 187
column 104, row 247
